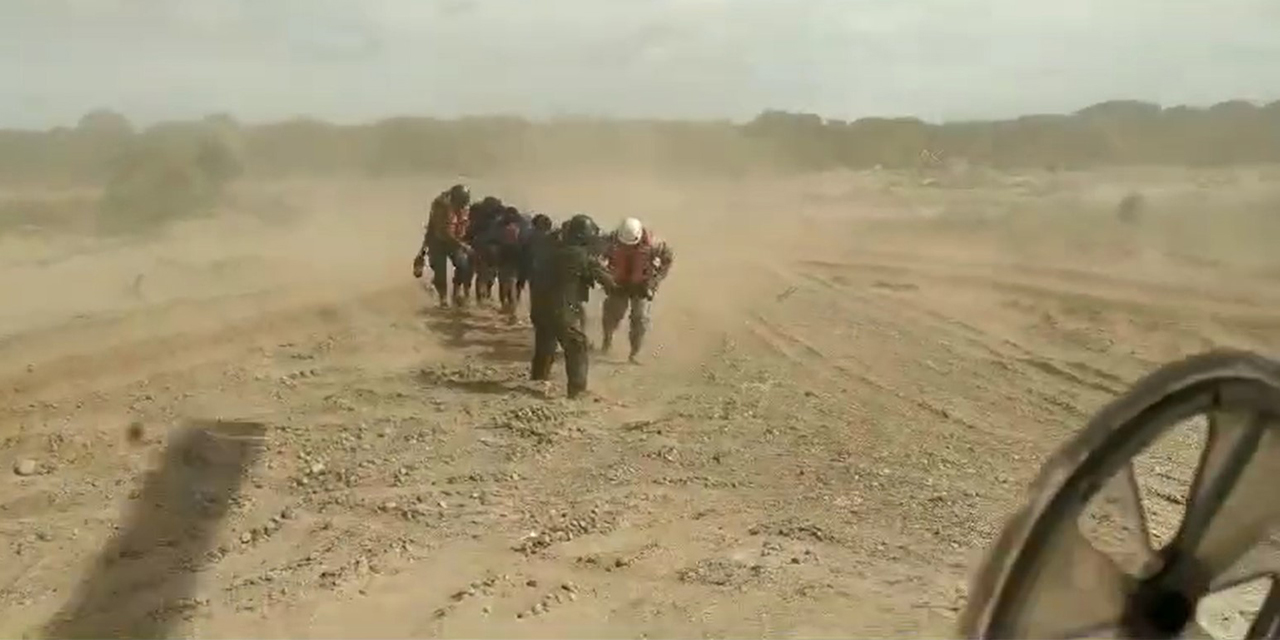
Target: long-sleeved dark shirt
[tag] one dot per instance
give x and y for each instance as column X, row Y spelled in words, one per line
column 563, row 274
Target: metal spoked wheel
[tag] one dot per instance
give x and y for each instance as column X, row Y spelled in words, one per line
column 1045, row 579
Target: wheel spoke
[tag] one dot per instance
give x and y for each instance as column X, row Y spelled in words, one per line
column 1076, row 588
column 1267, row 623
column 1232, row 440
column 1138, row 528
column 1233, row 496
column 1260, row 562
column 1228, row 581
column 1116, row 521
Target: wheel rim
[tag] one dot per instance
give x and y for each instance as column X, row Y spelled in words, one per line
column 1045, row 579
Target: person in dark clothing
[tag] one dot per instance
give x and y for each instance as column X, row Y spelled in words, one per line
column 481, row 233
column 558, row 293
column 545, row 237
column 539, row 231
column 444, row 241
column 511, row 231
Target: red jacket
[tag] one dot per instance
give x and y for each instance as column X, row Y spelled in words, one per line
column 642, row 264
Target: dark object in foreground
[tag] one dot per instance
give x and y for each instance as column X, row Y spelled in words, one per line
column 144, row 581
column 1044, row 579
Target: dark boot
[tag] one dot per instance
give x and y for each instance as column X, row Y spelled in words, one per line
column 576, row 386
column 576, row 365
column 544, row 352
column 576, row 359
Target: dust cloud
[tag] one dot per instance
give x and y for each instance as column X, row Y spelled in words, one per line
column 874, row 331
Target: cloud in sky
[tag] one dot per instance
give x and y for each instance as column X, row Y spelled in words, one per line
column 352, row 60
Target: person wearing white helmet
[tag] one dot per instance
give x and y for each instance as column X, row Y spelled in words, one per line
column 639, row 262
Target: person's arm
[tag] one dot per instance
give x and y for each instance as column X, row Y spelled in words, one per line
column 665, row 257
column 433, row 224
column 445, row 231
column 426, row 233
column 420, row 260
column 451, row 238
column 602, row 245
column 600, row 274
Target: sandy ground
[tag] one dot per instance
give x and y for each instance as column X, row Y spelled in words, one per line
column 851, row 381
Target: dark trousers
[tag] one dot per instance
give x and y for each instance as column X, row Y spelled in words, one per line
column 486, row 268
column 565, row 330
column 439, row 258
column 510, row 279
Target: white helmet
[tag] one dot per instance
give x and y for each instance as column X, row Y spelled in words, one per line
column 630, row 231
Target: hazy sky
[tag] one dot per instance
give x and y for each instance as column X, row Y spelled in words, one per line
column 350, row 60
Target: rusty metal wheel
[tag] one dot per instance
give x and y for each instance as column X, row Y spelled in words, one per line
column 1044, row 578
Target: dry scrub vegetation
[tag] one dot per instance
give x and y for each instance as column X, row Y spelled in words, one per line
column 180, row 169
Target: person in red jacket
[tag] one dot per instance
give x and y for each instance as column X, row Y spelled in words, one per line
column 638, row 262
column 445, row 242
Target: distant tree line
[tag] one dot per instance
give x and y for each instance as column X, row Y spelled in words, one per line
column 179, row 169
column 104, row 144
column 148, row 179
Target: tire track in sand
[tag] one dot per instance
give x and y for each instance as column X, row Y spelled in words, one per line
column 805, row 355
column 972, row 357
column 1002, row 351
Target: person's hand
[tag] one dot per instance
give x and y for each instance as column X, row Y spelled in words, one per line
column 650, row 291
column 418, row 263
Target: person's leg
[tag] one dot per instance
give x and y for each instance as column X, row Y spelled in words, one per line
column 480, row 270
column 582, row 325
column 462, row 276
column 544, row 349
column 439, row 263
column 640, row 308
column 613, row 309
column 508, row 269
column 486, row 274
column 524, row 271
column 576, row 359
column 506, row 293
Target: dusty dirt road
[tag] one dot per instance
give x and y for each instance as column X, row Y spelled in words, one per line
column 843, row 401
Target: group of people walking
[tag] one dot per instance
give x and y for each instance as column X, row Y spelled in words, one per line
column 492, row 242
